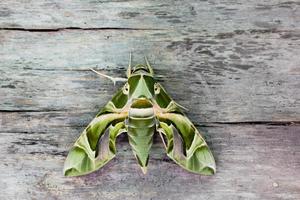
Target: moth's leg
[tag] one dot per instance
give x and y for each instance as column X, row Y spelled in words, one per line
column 128, row 73
column 113, row 79
column 109, row 108
column 173, row 106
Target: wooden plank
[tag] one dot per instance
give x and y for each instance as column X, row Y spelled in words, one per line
column 254, row 162
column 213, row 16
column 248, row 76
column 234, row 65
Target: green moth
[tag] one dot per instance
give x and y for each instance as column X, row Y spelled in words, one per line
column 141, row 108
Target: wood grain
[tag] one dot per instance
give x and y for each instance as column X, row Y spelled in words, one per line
column 234, row 65
column 254, row 162
column 210, row 15
column 246, row 77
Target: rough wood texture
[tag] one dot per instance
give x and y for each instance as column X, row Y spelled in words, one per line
column 235, row 65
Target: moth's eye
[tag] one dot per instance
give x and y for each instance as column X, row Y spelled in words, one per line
column 156, row 88
column 126, row 88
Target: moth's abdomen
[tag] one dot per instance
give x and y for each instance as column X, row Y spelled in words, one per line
column 141, row 124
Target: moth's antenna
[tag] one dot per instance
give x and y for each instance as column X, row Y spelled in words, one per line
column 113, row 79
column 149, row 66
column 129, row 66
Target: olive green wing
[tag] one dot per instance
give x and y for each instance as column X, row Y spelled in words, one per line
column 96, row 145
column 184, row 144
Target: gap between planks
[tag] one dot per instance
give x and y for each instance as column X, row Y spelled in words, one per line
column 79, row 28
column 203, row 124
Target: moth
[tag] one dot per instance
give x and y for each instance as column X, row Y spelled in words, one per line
column 141, row 108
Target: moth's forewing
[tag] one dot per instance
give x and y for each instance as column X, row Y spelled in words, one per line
column 185, row 145
column 183, row 142
column 96, row 145
column 90, row 152
column 162, row 98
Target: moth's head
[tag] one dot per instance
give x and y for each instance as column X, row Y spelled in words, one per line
column 139, row 69
column 141, row 83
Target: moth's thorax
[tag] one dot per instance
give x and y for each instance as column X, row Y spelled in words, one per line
column 141, row 85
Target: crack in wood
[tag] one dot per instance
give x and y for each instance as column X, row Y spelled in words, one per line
column 198, row 125
column 32, row 111
column 78, row 28
column 202, row 124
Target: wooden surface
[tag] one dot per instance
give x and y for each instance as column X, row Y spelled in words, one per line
column 234, row 64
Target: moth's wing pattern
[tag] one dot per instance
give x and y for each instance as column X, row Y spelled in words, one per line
column 95, row 146
column 184, row 144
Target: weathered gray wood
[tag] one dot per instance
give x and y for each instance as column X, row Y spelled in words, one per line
column 235, row 65
column 254, row 162
column 211, row 15
column 241, row 77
